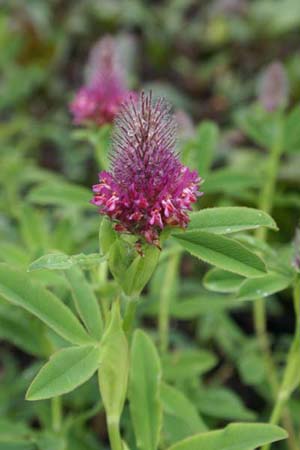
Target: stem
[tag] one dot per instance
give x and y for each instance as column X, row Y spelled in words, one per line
column 56, row 409
column 114, row 434
column 165, row 300
column 291, row 370
column 265, row 203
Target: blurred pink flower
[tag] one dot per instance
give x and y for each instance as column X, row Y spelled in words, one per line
column 100, row 99
column 274, row 88
column 147, row 188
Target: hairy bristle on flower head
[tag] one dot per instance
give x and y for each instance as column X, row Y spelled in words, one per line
column 147, row 188
column 143, row 140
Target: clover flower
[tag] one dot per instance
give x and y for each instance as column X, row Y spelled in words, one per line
column 147, row 188
column 99, row 100
column 274, row 87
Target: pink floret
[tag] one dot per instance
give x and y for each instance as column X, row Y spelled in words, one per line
column 100, row 99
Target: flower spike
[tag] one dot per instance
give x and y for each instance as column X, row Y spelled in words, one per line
column 99, row 100
column 147, row 188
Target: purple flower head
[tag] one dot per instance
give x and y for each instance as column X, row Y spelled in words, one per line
column 274, row 87
column 147, row 188
column 99, row 100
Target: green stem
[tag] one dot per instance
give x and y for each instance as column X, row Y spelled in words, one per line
column 165, row 300
column 265, row 203
column 114, row 434
column 291, row 370
column 56, row 409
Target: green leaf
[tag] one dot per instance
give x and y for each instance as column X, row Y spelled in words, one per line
column 206, row 303
column 292, row 132
column 237, row 436
column 231, row 219
column 251, row 366
column 207, row 135
column 219, row 280
column 121, row 254
column 51, row 441
column 144, row 391
column 183, row 364
column 222, row 403
column 61, row 194
column 33, row 229
column 52, row 261
column 17, row 445
column 107, row 235
column 230, row 180
column 11, row 253
column 200, row 150
column 85, row 301
column 18, row 289
column 140, row 270
column 131, row 270
column 181, row 418
column 22, row 330
column 66, row 370
column 11, row 429
column 222, row 252
column 61, row 261
column 114, row 366
column 259, row 125
column 269, row 284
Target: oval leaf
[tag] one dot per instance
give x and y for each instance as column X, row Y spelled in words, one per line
column 222, row 403
column 181, row 418
column 222, row 252
column 204, row 304
column 61, row 194
column 23, row 330
column 18, row 289
column 85, row 301
column 183, row 364
column 231, row 181
column 114, row 367
column 144, row 391
column 219, row 280
column 231, row 219
column 65, row 370
column 269, row 284
column 61, row 261
column 237, row 436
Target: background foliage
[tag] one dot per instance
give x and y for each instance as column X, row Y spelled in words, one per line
column 207, row 58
